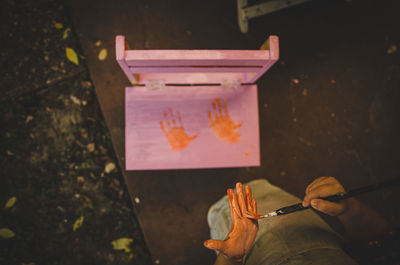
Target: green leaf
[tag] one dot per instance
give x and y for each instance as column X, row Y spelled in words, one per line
column 10, row 203
column 6, row 233
column 122, row 244
column 72, row 56
column 78, row 223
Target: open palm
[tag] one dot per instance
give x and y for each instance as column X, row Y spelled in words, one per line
column 244, row 230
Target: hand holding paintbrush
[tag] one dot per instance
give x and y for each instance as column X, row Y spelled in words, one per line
column 327, row 195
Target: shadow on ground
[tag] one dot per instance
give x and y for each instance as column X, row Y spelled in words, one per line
column 56, row 154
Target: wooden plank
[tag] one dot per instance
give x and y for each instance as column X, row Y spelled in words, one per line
column 179, row 128
column 120, row 56
column 196, row 57
column 193, row 78
column 271, row 44
column 191, row 69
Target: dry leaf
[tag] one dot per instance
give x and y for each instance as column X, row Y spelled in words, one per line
column 90, row 147
column 305, row 92
column 110, row 166
column 72, row 56
column 10, row 203
column 78, row 223
column 97, row 43
column 66, row 33
column 29, row 118
column 122, row 244
column 58, row 25
column 102, row 54
column 75, row 100
column 6, row 233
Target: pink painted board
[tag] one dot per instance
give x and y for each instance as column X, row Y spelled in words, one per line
column 172, row 66
column 146, row 144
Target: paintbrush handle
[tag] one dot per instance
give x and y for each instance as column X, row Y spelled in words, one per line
column 340, row 196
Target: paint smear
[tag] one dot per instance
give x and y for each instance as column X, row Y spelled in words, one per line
column 221, row 123
column 247, row 153
column 174, row 131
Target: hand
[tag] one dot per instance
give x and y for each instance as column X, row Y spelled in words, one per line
column 222, row 125
column 322, row 187
column 244, row 230
column 174, row 131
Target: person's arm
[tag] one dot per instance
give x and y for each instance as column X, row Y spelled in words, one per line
column 243, row 231
column 359, row 221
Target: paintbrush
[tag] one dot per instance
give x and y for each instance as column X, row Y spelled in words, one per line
column 333, row 198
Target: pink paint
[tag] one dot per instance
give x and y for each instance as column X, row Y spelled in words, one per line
column 196, row 139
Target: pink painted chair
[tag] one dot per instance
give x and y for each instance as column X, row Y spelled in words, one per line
column 193, row 108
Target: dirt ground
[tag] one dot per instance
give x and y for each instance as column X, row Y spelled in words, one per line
column 56, row 155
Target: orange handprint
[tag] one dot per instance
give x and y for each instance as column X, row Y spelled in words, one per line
column 222, row 125
column 175, row 133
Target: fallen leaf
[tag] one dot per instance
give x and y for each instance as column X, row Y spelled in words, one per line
column 392, row 49
column 78, row 223
column 90, row 147
column 66, row 33
column 97, row 43
column 10, row 153
column 122, row 244
column 6, row 233
column 305, row 92
column 75, row 100
column 29, row 118
column 102, row 54
column 58, row 25
column 110, row 166
column 10, row 203
column 72, row 56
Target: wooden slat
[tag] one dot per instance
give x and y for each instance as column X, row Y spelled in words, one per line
column 189, row 69
column 193, row 78
column 120, row 54
column 196, row 57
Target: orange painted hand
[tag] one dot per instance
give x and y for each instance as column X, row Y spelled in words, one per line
column 222, row 125
column 244, row 230
column 174, row 131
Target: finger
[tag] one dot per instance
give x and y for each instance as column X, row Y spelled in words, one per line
column 219, row 106
column 316, row 181
column 214, row 244
column 240, row 197
column 235, row 205
column 328, row 181
column 214, row 106
column 238, row 125
column 210, row 118
column 191, row 138
column 171, row 115
column 162, row 127
column 179, row 117
column 225, row 107
column 230, row 198
column 328, row 207
column 321, row 191
column 248, row 199
column 254, row 207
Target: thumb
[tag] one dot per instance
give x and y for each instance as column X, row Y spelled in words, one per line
column 327, row 207
column 214, row 244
